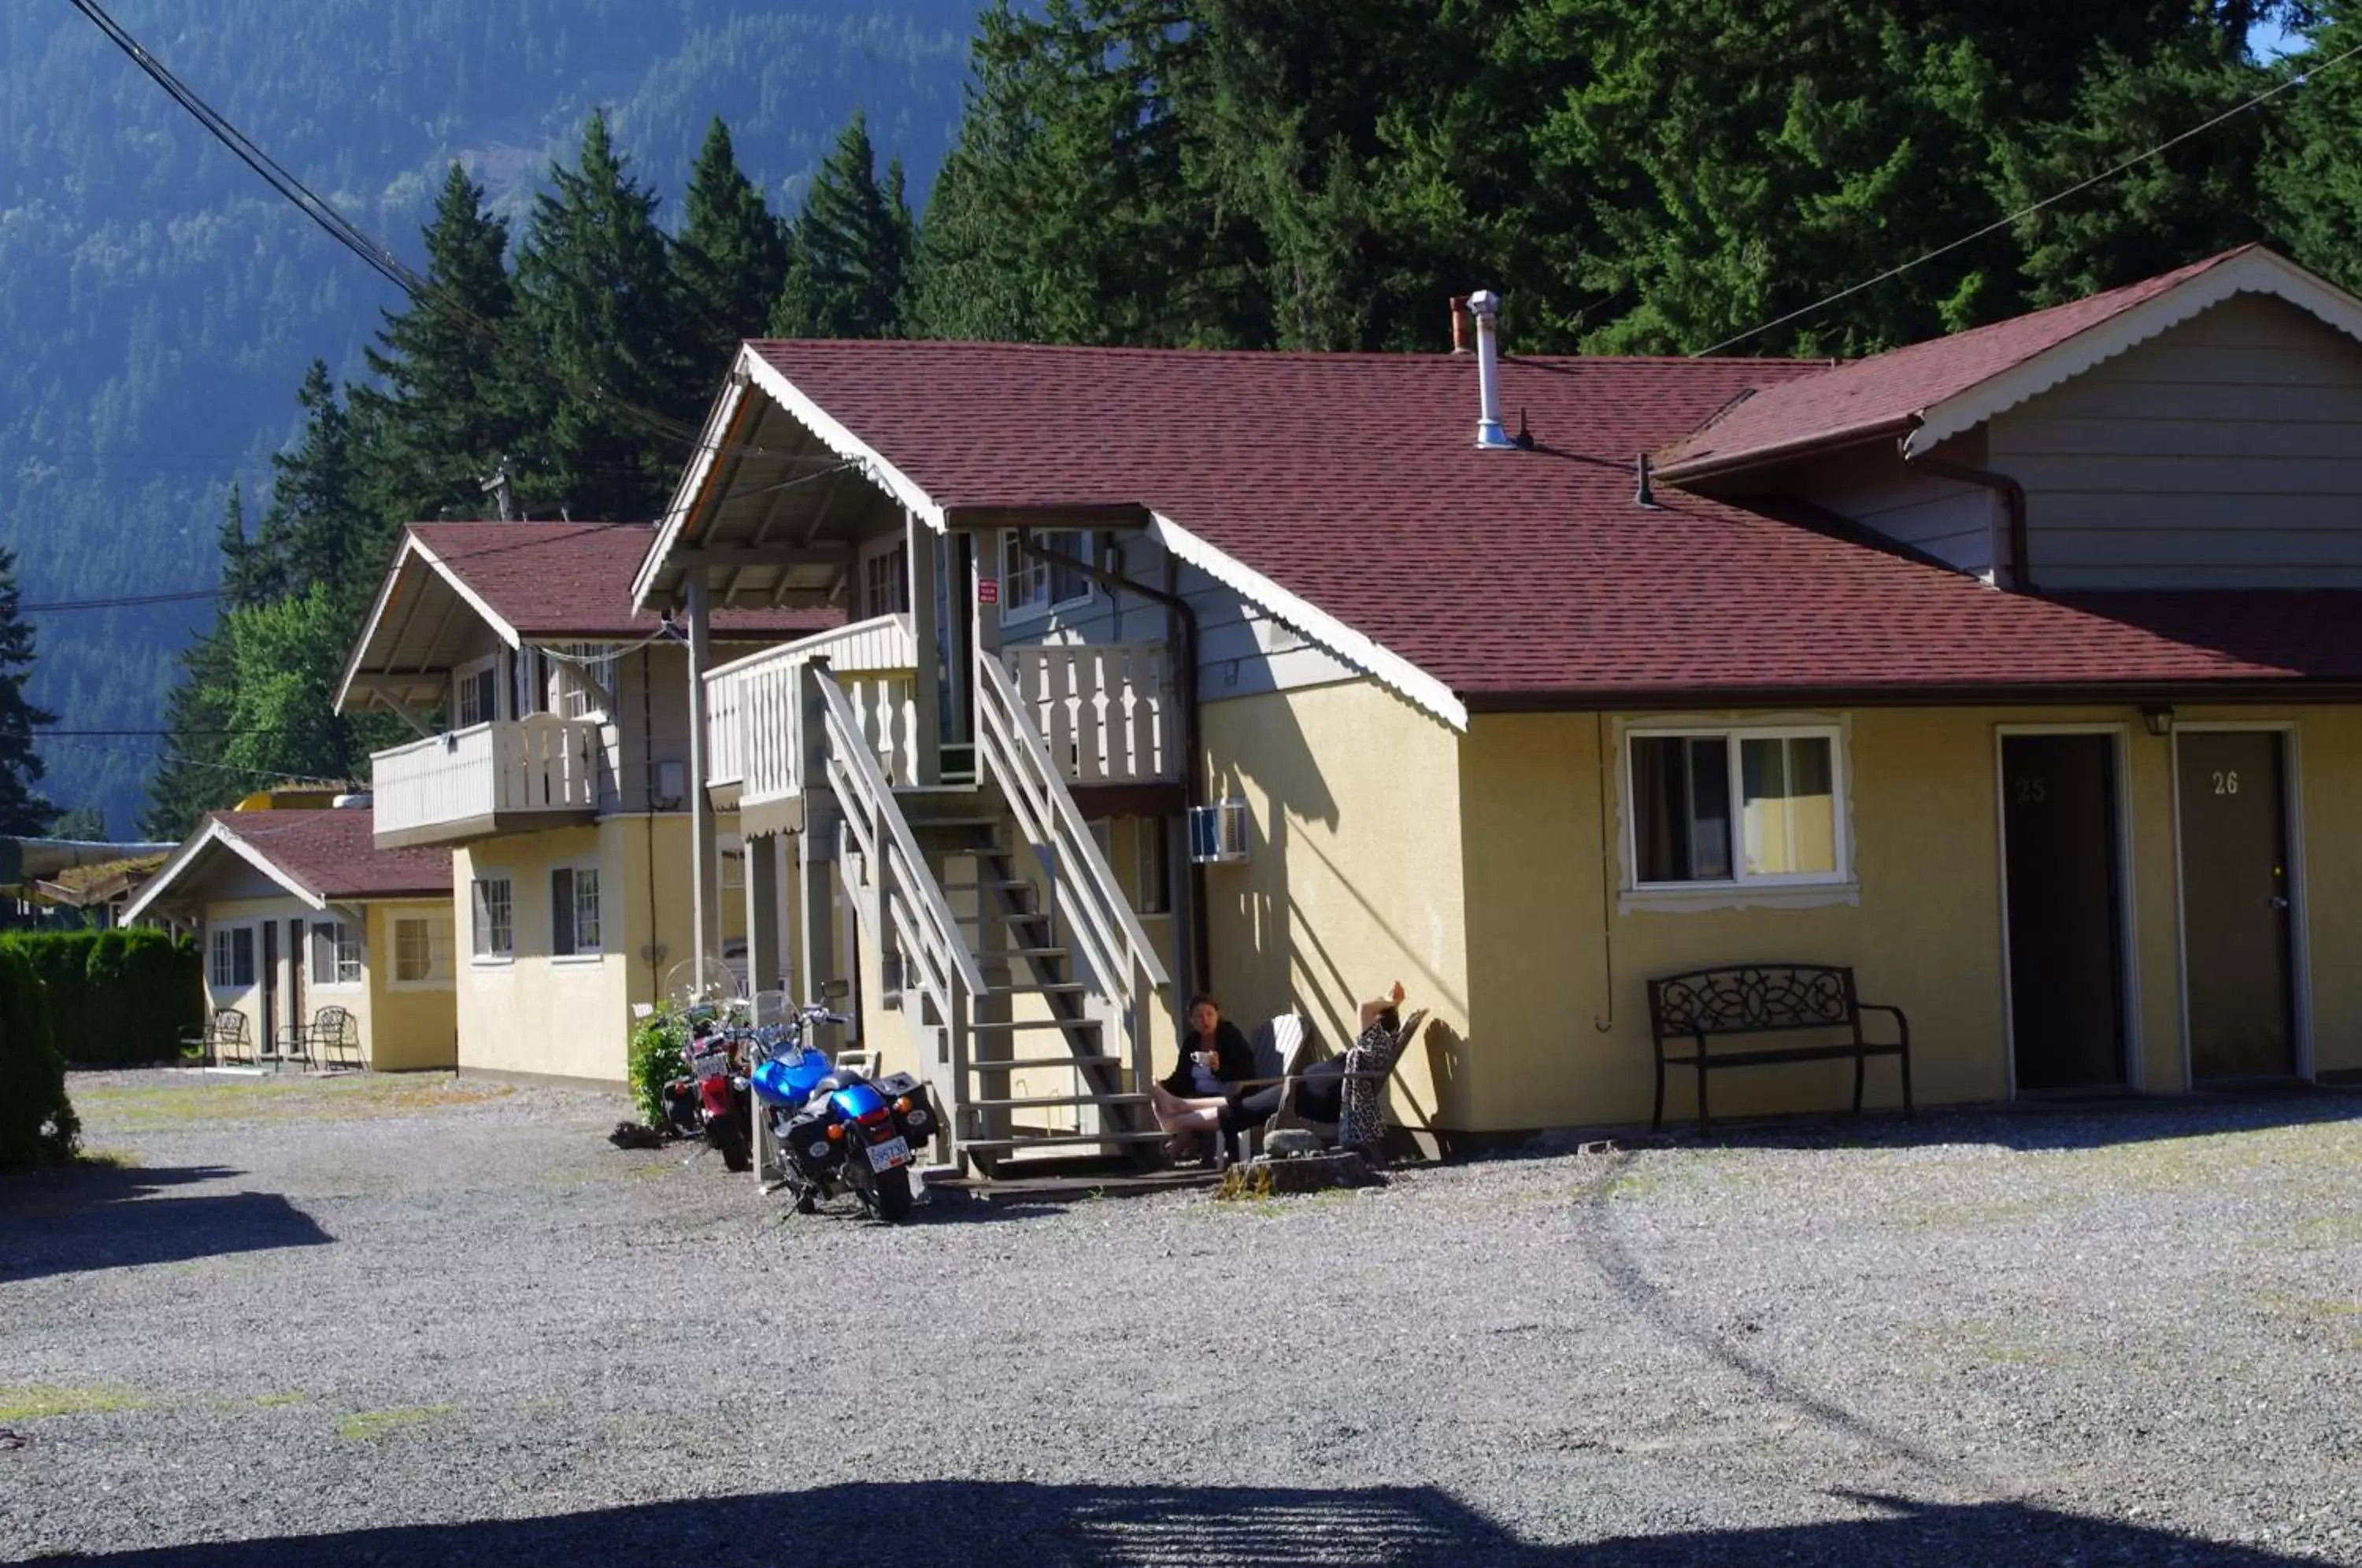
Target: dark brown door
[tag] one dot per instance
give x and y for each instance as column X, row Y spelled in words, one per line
column 268, row 979
column 2234, row 905
column 298, row 954
column 2066, row 945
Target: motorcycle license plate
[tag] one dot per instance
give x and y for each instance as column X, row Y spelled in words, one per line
column 887, row 1155
column 712, row 1064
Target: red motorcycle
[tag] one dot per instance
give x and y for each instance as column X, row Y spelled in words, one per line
column 707, row 1101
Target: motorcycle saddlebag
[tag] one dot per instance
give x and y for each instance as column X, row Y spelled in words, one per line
column 810, row 1132
column 894, row 1086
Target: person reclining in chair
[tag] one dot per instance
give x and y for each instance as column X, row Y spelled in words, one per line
column 1195, row 1098
column 1320, row 1087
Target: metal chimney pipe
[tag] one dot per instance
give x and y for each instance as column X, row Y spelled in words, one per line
column 1485, row 304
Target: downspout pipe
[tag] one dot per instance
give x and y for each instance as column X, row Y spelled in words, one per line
column 2013, row 498
column 1193, row 794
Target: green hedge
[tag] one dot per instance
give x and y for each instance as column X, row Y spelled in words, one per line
column 37, row 1121
column 115, row 995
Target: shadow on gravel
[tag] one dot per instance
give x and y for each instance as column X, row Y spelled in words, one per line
column 94, row 1217
column 1111, row 1527
column 2031, row 1125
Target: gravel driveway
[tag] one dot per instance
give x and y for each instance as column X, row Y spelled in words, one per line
column 405, row 1320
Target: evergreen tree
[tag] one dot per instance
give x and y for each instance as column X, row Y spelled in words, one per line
column 278, row 687
column 731, row 258
column 852, row 247
column 22, row 809
column 444, row 416
column 615, row 396
column 2312, row 178
column 318, row 531
column 87, row 823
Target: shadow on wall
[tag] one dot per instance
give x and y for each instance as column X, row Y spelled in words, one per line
column 1321, row 985
column 93, row 1217
column 1103, row 1526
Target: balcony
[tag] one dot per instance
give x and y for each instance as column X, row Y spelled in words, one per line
column 1105, row 711
column 509, row 777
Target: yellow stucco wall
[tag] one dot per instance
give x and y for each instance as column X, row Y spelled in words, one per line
column 1355, row 876
column 400, row 1028
column 1558, row 1031
column 411, row 1024
column 571, row 1016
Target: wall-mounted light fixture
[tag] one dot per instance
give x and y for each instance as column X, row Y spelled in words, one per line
column 2159, row 718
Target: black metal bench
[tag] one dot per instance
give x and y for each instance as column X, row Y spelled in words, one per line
column 1767, row 998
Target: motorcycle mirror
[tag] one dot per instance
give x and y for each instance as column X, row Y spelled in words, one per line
column 832, row 990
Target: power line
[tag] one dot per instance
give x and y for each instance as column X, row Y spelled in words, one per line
column 119, row 602
column 2270, row 92
column 418, row 288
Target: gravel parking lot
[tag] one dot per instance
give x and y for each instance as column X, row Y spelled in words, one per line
column 410, row 1319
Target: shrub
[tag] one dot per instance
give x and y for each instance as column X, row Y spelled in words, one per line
column 37, row 1121
column 655, row 1060
column 115, row 995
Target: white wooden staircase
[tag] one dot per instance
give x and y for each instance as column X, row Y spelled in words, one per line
column 1007, row 946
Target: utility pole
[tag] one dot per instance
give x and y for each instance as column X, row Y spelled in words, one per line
column 498, row 487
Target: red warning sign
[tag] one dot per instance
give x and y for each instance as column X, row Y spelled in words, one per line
column 988, row 590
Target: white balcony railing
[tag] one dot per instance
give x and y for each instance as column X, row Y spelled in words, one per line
column 462, row 779
column 1104, row 711
column 754, row 714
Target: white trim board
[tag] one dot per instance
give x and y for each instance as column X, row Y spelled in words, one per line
column 2255, row 271
column 414, row 546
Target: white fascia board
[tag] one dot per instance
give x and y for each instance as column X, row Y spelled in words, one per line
column 468, row 596
column 709, row 443
column 1389, row 668
column 376, row 618
column 2257, row 272
column 186, row 857
column 841, row 441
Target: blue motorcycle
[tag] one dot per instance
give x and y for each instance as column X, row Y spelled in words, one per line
column 839, row 1130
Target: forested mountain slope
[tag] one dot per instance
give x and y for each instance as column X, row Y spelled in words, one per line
column 159, row 304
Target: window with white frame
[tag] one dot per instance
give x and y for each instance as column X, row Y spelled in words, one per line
column 415, row 951
column 335, row 952
column 574, row 911
column 1735, row 806
column 479, row 686
column 231, row 959
column 494, row 917
column 886, row 582
column 1033, row 586
column 578, row 675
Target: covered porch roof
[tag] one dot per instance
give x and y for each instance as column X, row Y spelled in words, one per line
column 529, row 583
column 321, row 857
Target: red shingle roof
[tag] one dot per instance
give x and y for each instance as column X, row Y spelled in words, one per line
column 335, row 853
column 557, row 580
column 1869, row 397
column 1352, row 481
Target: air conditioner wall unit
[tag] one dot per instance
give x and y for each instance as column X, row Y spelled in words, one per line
column 1219, row 833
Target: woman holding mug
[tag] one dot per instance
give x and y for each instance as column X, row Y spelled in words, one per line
column 1193, row 1098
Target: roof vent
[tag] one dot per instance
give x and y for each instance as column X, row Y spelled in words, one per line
column 1459, row 323
column 1485, row 305
column 351, row 802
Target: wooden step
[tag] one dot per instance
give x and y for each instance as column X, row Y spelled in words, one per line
column 1054, row 1100
column 1031, row 1063
column 1054, row 988
column 1010, row 1026
column 985, row 884
column 987, row 954
column 1056, row 1140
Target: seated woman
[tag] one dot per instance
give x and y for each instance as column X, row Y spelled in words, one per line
column 1319, row 1088
column 1196, row 1096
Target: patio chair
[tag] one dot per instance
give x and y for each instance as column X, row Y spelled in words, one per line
column 1282, row 1046
column 335, row 1039
column 292, row 1043
column 1362, row 1122
column 224, row 1038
